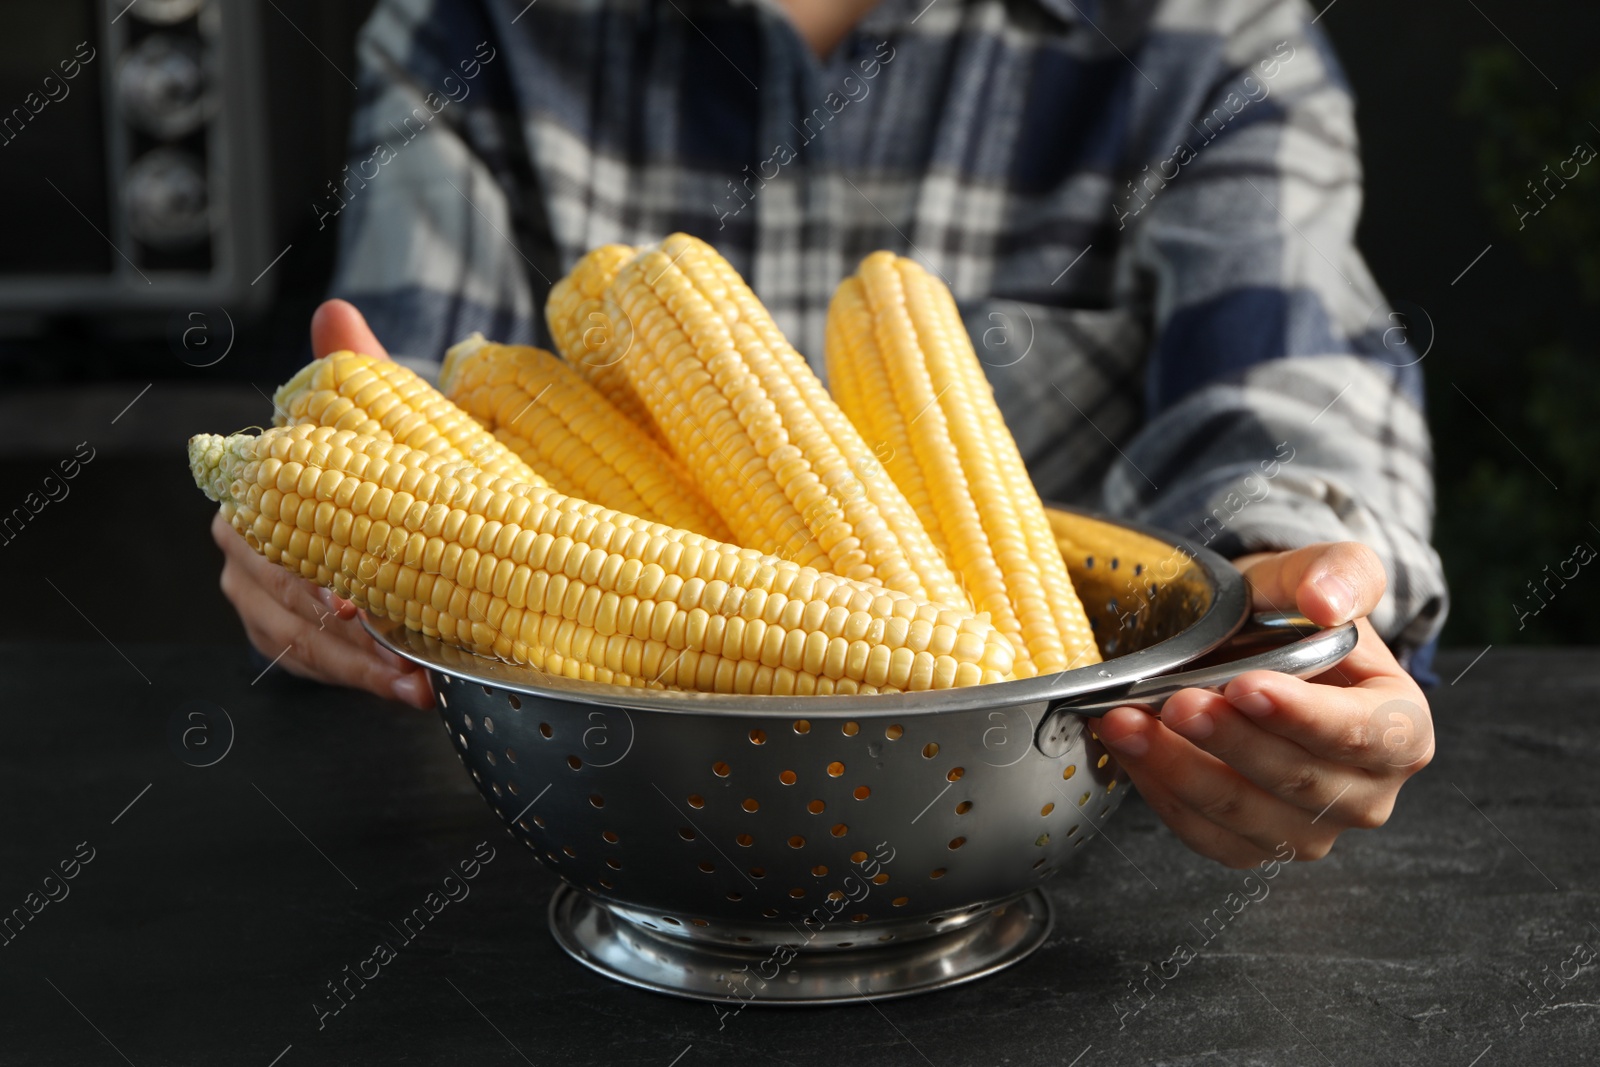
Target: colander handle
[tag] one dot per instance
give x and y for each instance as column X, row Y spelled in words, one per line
column 1303, row 658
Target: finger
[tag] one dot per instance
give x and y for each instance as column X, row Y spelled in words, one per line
column 1200, row 783
column 1200, row 834
column 248, row 578
column 336, row 326
column 1370, row 659
column 1347, row 796
column 325, row 656
column 1329, row 583
column 1381, row 723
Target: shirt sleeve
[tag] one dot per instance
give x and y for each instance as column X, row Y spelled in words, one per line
column 431, row 246
column 1283, row 396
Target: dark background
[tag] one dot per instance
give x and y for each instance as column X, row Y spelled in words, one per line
column 1454, row 122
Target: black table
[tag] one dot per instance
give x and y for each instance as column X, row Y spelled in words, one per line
column 217, row 902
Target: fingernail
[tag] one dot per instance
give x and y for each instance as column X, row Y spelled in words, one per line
column 1340, row 595
column 1255, row 705
column 1196, row 727
column 1135, row 744
column 411, row 688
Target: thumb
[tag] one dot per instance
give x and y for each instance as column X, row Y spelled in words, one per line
column 336, row 326
column 1328, row 583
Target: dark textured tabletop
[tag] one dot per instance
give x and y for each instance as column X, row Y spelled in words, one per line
column 209, row 906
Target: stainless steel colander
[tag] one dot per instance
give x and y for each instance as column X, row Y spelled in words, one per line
column 808, row 850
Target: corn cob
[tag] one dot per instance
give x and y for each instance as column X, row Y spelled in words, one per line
column 540, row 408
column 536, row 577
column 762, row 438
column 905, row 366
column 349, row 391
column 591, row 337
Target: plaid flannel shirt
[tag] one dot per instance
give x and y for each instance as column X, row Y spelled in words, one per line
column 1145, row 209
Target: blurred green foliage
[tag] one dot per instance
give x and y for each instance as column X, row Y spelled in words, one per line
column 1503, row 529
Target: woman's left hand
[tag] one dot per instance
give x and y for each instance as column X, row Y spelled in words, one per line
column 1274, row 758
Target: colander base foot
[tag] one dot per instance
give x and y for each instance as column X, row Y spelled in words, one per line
column 605, row 942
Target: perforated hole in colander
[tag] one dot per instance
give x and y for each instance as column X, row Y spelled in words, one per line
column 820, row 870
column 862, row 792
column 850, row 729
column 963, row 807
column 894, row 732
column 930, row 750
column 1047, row 809
column 751, row 804
column 545, row 731
column 802, row 726
column 956, row 774
column 816, row 807
column 516, row 705
column 758, row 737
column 835, row 769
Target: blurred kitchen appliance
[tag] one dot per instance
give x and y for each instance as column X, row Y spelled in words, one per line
column 132, row 166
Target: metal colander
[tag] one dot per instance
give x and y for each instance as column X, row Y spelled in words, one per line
column 822, row 849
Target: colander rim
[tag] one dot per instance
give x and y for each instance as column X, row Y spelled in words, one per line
column 1229, row 608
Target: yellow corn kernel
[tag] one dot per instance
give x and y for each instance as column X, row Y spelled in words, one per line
column 350, row 391
column 590, row 337
column 897, row 345
column 787, row 470
column 540, row 408
column 388, row 568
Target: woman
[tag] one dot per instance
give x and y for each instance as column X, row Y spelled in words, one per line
column 1146, row 210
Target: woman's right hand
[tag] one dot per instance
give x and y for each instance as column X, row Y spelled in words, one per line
column 308, row 630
